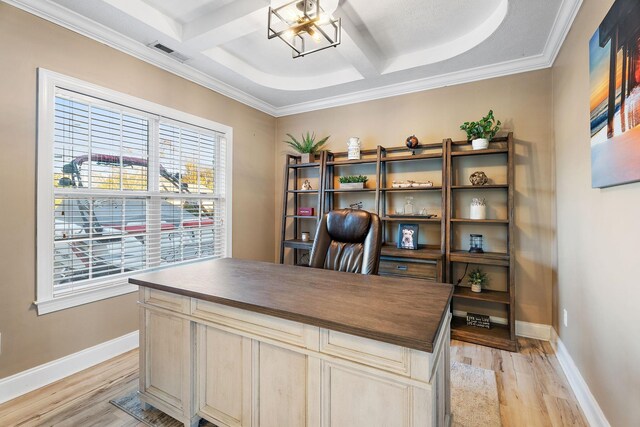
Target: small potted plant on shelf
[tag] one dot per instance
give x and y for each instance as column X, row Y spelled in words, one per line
column 307, row 146
column 477, row 280
column 353, row 182
column 480, row 132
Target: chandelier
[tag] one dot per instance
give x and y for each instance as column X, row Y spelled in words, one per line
column 304, row 25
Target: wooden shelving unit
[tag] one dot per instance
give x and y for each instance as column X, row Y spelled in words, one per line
column 290, row 236
column 426, row 262
column 436, row 261
column 499, row 336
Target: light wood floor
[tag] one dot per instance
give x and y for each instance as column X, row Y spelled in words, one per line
column 532, row 390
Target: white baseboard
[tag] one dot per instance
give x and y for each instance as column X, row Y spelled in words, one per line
column 588, row 403
column 533, row 330
column 40, row 376
column 523, row 329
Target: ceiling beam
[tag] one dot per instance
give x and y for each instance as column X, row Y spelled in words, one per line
column 149, row 15
column 231, row 21
column 360, row 51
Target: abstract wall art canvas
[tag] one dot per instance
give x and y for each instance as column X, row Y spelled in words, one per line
column 614, row 70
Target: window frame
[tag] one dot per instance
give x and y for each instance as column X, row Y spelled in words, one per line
column 48, row 84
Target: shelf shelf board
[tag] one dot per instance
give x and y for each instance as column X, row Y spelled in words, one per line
column 303, row 191
column 498, row 336
column 399, row 148
column 492, row 141
column 481, row 221
column 463, row 292
column 303, row 165
column 410, row 219
column 486, row 258
column 302, row 216
column 479, row 152
column 478, row 187
column 298, row 244
column 351, row 162
column 423, row 252
column 352, row 190
column 391, row 189
column 412, row 157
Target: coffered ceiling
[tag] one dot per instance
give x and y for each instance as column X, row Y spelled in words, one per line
column 388, row 47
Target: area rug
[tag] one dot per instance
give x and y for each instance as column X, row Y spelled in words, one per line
column 474, row 397
column 474, row 401
column 132, row 405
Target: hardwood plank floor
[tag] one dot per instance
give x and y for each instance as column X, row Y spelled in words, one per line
column 532, row 390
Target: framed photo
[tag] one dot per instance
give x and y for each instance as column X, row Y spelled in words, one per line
column 614, row 71
column 408, row 236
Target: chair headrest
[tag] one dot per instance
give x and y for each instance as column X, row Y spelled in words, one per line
column 348, row 225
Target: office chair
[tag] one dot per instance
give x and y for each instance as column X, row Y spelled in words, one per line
column 348, row 240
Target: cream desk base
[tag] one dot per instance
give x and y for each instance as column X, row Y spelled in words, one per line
column 236, row 368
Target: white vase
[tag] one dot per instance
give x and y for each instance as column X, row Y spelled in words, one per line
column 480, row 144
column 478, row 211
column 353, row 148
column 475, row 287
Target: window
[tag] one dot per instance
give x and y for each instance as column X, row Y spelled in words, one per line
column 124, row 185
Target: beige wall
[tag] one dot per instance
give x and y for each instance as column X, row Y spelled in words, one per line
column 598, row 235
column 522, row 101
column 28, row 42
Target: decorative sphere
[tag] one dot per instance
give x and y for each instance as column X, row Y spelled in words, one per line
column 478, row 178
column 412, row 141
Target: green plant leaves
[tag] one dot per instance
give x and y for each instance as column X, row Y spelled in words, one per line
column 307, row 143
column 487, row 127
column 352, row 178
column 478, row 277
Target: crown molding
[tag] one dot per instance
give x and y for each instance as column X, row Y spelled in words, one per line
column 561, row 26
column 82, row 25
column 560, row 29
column 467, row 76
column 68, row 19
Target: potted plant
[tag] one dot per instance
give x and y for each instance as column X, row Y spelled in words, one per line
column 353, row 182
column 480, row 132
column 307, row 146
column 477, row 280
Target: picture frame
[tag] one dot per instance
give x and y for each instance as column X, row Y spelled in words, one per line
column 408, row 236
column 614, row 90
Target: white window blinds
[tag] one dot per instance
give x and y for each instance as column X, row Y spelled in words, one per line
column 131, row 190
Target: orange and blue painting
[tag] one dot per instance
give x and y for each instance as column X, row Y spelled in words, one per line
column 614, row 70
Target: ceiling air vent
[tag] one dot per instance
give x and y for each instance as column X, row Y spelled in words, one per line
column 168, row 51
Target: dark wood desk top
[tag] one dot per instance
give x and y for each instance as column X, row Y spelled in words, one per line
column 405, row 312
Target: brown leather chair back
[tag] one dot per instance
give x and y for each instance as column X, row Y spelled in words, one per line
column 348, row 240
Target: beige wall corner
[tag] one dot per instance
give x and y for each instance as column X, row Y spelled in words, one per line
column 598, row 232
column 29, row 42
column 522, row 102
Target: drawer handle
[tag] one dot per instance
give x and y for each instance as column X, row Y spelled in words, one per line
column 401, row 267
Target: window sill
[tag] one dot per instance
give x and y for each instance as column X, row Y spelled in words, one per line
column 76, row 299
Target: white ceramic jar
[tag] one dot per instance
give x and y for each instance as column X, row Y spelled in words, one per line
column 353, row 148
column 478, row 208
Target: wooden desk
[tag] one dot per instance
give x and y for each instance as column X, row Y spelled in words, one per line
column 245, row 343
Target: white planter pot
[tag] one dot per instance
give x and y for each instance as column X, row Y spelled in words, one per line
column 307, row 158
column 352, row 185
column 476, row 288
column 478, row 212
column 480, row 144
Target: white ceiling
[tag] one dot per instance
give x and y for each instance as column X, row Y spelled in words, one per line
column 388, row 47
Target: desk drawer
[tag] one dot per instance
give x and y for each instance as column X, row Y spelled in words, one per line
column 421, row 269
column 255, row 323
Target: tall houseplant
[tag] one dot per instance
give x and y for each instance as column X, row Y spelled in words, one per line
column 306, row 146
column 480, row 132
